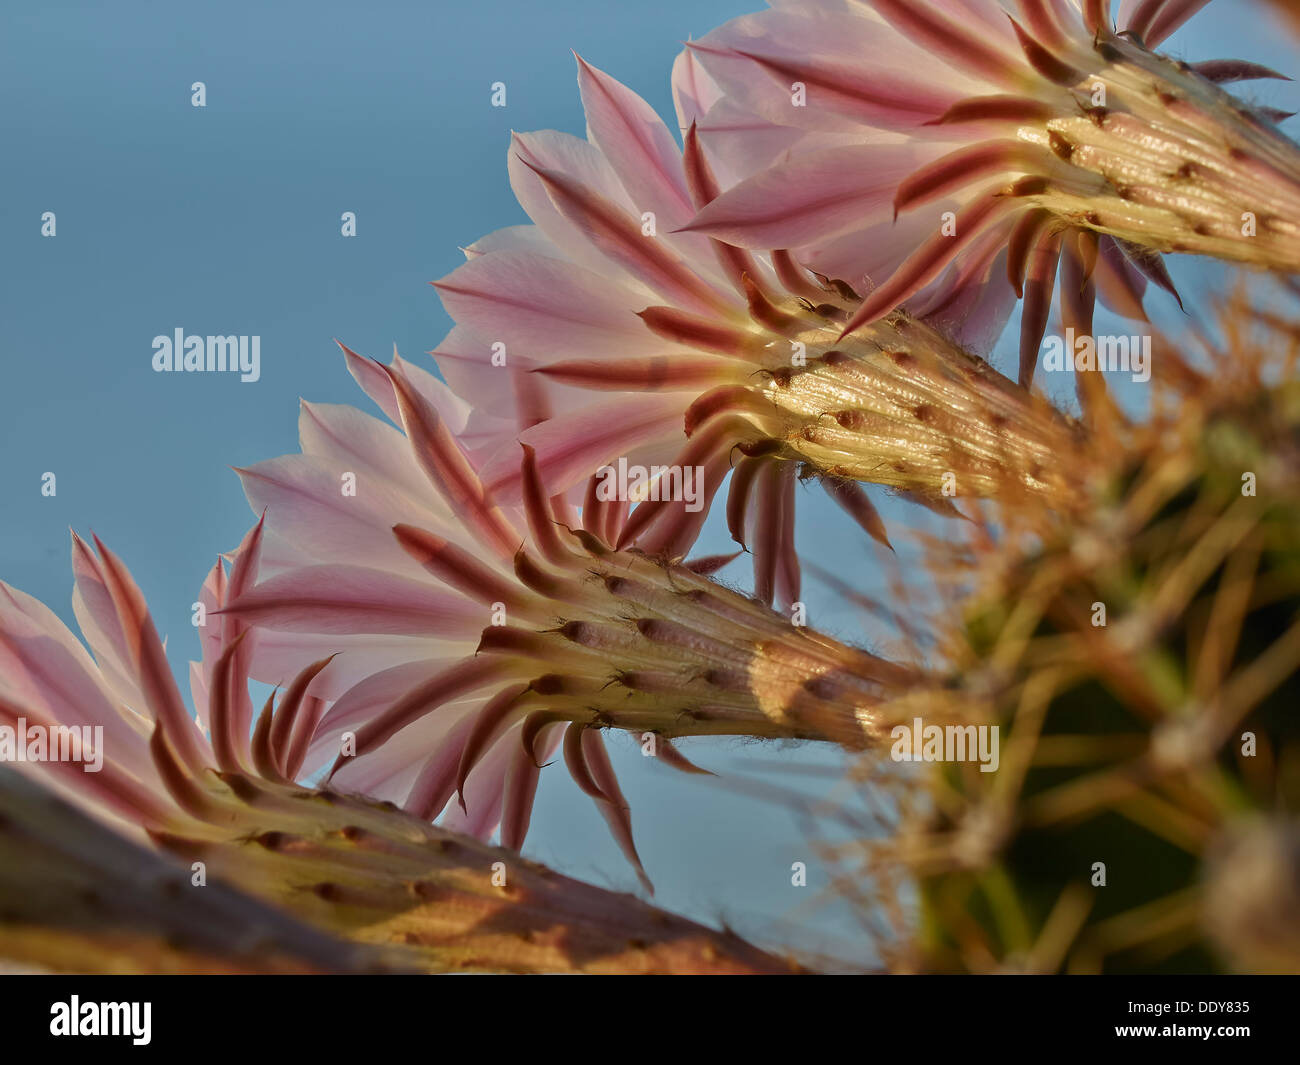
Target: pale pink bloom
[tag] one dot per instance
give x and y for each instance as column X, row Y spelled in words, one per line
column 157, row 763
column 1049, row 138
column 343, row 862
column 470, row 638
column 670, row 347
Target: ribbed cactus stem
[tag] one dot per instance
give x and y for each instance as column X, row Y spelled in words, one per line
column 75, row 895
column 371, row 873
column 1177, row 164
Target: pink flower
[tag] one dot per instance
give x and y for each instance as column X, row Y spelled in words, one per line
column 669, row 347
column 129, row 753
column 150, row 768
column 1026, row 131
column 471, row 639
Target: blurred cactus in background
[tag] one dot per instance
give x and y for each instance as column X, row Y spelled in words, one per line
column 1137, row 647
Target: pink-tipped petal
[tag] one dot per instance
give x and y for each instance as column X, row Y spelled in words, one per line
column 347, row 599
column 1040, row 280
column 612, row 804
column 447, row 468
column 957, row 40
column 456, row 567
column 1171, row 18
column 855, row 502
column 812, row 197
column 150, row 661
column 466, row 676
column 294, row 706
column 637, row 144
column 930, row 259
column 622, row 238
column 497, row 714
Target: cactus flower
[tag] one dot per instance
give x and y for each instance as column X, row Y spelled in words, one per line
column 474, row 638
column 666, row 347
column 432, row 899
column 1024, row 132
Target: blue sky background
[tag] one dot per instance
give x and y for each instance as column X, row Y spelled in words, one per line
column 226, row 220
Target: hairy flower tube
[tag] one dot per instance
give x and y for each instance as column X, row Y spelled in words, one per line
column 673, row 348
column 1027, row 132
column 360, row 868
column 473, row 639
